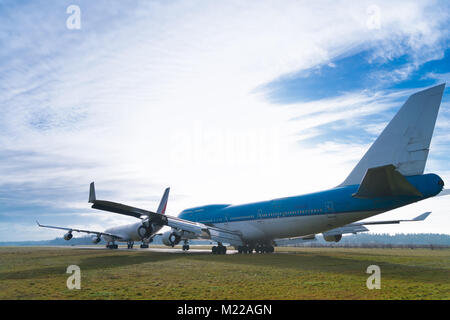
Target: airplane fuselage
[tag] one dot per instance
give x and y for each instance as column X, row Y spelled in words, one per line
column 306, row 214
column 131, row 232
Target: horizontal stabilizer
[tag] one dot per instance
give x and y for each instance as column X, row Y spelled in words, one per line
column 444, row 192
column 383, row 182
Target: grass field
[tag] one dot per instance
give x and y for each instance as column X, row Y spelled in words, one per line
column 290, row 273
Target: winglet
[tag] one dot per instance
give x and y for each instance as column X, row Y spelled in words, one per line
column 422, row 217
column 163, row 204
column 92, row 193
column 38, row 223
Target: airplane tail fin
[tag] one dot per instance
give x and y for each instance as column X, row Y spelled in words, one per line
column 92, row 193
column 163, row 204
column 405, row 141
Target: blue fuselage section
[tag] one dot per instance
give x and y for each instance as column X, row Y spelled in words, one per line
column 332, row 202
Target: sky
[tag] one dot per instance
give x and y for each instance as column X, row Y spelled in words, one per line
column 225, row 102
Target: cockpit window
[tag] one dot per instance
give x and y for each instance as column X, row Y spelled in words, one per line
column 441, row 182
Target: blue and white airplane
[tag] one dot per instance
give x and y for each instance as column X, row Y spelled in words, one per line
column 390, row 175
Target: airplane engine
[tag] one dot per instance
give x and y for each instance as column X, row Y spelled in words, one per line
column 171, row 238
column 96, row 240
column 333, row 238
column 68, row 236
column 145, row 230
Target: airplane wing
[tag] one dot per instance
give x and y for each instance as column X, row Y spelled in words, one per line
column 360, row 226
column 155, row 217
column 203, row 231
column 338, row 232
column 193, row 229
column 117, row 237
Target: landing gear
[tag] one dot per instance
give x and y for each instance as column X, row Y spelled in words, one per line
column 145, row 242
column 112, row 246
column 220, row 249
column 260, row 248
column 130, row 244
column 245, row 249
column 265, row 249
column 185, row 246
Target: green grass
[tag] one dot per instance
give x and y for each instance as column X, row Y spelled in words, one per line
column 291, row 273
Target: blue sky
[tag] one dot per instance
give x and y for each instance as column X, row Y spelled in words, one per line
column 225, row 102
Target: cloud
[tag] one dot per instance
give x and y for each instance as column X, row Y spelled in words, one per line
column 145, row 84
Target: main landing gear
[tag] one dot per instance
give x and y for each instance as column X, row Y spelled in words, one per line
column 185, row 246
column 220, row 249
column 258, row 249
column 112, row 245
column 145, row 242
column 130, row 244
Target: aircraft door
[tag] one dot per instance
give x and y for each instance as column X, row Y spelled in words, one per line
column 329, row 209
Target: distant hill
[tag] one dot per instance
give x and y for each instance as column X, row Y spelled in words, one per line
column 86, row 240
column 387, row 240
column 362, row 239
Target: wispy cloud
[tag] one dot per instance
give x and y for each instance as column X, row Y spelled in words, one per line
column 142, row 85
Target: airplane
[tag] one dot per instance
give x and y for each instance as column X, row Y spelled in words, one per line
column 390, row 175
column 143, row 230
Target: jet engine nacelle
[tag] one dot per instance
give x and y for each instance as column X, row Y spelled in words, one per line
column 96, row 240
column 333, row 238
column 145, row 230
column 68, row 236
column 171, row 238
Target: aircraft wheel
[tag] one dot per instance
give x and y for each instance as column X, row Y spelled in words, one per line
column 214, row 250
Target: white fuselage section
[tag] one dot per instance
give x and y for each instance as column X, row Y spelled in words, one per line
column 286, row 227
column 130, row 232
